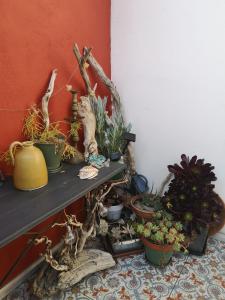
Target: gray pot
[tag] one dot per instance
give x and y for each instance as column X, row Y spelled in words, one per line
column 114, row 212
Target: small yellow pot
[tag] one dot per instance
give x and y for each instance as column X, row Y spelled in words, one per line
column 30, row 171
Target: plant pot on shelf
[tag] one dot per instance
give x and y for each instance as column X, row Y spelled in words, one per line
column 158, row 255
column 138, row 210
column 115, row 156
column 52, row 154
column 114, row 212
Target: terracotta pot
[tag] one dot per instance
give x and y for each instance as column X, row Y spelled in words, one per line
column 30, row 171
column 158, row 255
column 144, row 214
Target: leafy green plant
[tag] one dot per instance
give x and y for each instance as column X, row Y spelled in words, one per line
column 163, row 230
column 190, row 197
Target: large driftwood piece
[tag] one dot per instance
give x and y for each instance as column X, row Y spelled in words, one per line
column 46, row 98
column 88, row 261
column 72, row 262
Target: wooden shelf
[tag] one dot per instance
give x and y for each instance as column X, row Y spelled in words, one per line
column 22, row 210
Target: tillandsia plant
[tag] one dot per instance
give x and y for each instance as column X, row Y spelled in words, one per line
column 163, row 230
column 35, row 130
column 190, row 197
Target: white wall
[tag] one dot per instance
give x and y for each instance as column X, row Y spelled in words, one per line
column 168, row 62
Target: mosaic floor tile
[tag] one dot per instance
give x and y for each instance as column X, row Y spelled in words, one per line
column 133, row 278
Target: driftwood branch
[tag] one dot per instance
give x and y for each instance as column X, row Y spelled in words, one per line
column 48, row 254
column 46, row 98
column 103, row 77
column 83, row 66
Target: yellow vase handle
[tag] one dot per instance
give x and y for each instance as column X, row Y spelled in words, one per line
column 11, row 148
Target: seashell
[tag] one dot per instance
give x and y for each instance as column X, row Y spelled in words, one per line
column 88, row 172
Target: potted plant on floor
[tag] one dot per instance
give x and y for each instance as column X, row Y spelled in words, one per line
column 123, row 238
column 192, row 200
column 161, row 236
column 144, row 205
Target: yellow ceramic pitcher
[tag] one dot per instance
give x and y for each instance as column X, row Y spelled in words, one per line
column 30, row 171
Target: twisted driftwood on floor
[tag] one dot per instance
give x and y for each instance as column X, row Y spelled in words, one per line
column 89, row 261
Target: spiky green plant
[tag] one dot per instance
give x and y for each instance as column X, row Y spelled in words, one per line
column 109, row 130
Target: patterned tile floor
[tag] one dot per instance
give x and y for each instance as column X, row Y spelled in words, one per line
column 186, row 277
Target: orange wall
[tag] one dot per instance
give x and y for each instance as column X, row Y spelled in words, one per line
column 36, row 37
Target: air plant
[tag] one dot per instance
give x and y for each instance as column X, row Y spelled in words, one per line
column 190, row 197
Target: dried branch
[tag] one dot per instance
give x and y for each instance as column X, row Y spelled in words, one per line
column 46, row 98
column 125, row 180
column 103, row 77
column 82, row 66
column 48, row 254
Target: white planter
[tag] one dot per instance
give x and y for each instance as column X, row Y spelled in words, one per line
column 114, row 212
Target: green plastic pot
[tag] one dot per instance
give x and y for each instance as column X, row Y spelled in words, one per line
column 158, row 255
column 52, row 154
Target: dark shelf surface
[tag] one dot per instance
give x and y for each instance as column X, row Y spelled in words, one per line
column 22, row 210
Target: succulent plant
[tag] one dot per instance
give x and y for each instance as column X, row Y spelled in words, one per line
column 190, row 196
column 163, row 230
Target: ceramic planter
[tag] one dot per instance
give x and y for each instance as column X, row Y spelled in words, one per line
column 115, row 156
column 114, row 212
column 52, row 154
column 142, row 213
column 30, row 170
column 158, row 255
column 128, row 245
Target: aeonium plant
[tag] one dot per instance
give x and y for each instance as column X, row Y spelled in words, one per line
column 191, row 197
column 163, row 230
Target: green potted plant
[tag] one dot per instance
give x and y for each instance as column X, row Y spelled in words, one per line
column 109, row 130
column 49, row 139
column 191, row 197
column 161, row 236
